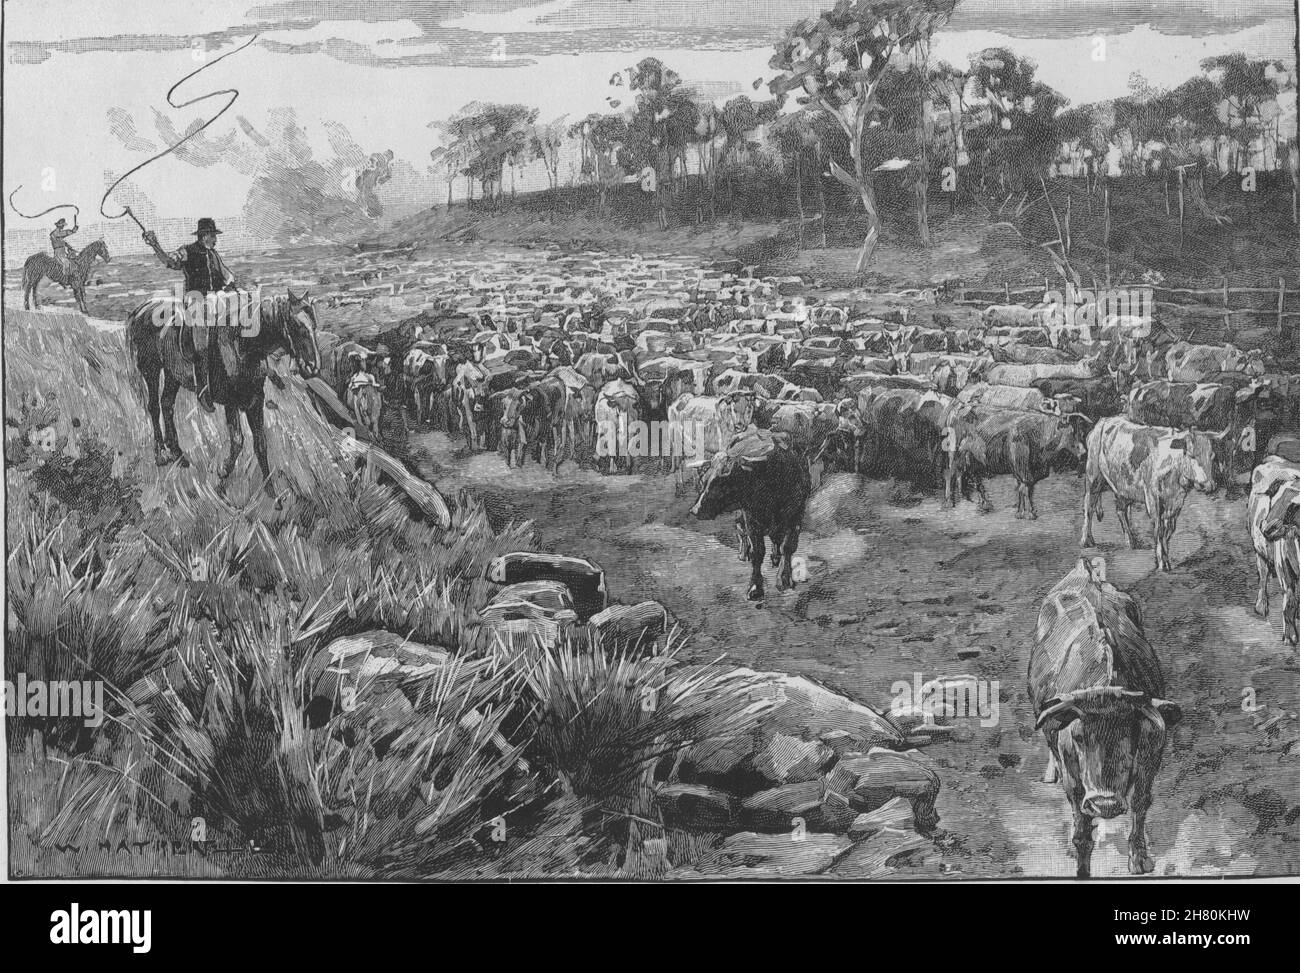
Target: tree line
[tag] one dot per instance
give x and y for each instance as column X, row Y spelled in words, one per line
column 856, row 98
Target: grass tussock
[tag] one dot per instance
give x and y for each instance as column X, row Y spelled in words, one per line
column 204, row 615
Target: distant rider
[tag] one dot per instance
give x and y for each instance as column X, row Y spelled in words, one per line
column 205, row 273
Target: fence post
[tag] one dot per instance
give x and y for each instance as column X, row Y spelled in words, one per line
column 1281, row 299
column 1227, row 317
column 1006, row 286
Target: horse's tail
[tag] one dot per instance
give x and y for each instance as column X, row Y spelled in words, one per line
column 140, row 328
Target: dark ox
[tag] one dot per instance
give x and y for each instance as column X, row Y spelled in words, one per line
column 903, row 429
column 1098, row 692
column 1097, row 397
column 1152, row 465
column 769, row 484
column 1027, row 445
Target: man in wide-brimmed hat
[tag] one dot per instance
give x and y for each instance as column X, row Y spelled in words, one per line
column 205, row 273
column 59, row 244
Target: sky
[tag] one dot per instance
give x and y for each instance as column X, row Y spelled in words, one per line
column 85, row 82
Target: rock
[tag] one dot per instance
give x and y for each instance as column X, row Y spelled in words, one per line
column 776, row 809
column 871, row 781
column 895, row 813
column 840, row 742
column 879, row 855
column 835, row 814
column 717, row 763
column 748, row 853
column 804, row 709
column 368, row 665
column 789, row 760
column 694, row 807
column 629, row 627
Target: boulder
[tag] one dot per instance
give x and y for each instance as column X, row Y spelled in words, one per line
column 629, row 627
column 750, row 854
column 872, row 780
column 716, row 762
column 804, row 709
column 694, row 807
column 778, row 808
column 879, row 855
column 783, row 759
column 896, row 813
column 365, row 668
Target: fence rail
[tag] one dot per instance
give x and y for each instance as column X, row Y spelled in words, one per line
column 1279, row 313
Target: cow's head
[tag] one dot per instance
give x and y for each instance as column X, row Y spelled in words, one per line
column 1102, row 729
column 727, row 483
column 736, row 410
column 1193, row 458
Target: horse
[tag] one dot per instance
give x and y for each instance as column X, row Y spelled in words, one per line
column 41, row 265
column 153, row 335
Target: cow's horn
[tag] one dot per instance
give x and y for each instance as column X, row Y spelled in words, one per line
column 1169, row 711
column 1057, row 714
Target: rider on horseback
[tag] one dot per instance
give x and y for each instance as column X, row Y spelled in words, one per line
column 205, row 273
column 59, row 244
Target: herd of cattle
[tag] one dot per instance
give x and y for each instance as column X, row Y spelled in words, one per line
column 787, row 388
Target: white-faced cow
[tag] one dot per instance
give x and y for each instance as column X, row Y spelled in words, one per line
column 1098, row 692
column 1275, row 537
column 1152, row 465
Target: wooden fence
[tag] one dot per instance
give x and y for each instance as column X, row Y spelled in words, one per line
column 1009, row 295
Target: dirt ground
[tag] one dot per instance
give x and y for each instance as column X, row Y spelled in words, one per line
column 899, row 585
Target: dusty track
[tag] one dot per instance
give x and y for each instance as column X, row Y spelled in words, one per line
column 899, row 585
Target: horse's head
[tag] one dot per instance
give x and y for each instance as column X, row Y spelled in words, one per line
column 299, row 326
column 97, row 248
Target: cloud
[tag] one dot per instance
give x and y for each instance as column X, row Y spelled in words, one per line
column 510, row 33
column 122, row 124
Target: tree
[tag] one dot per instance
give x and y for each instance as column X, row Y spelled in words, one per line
column 547, row 141
column 737, row 119
column 488, row 137
column 661, row 126
column 1016, row 132
column 839, row 60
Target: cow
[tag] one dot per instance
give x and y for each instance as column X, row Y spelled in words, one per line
column 1029, row 446
column 1098, row 693
column 807, row 427
column 1274, row 517
column 853, row 384
column 469, row 394
column 733, row 380
column 601, row 367
column 1097, row 397
column 1013, row 397
column 1152, row 465
column 1215, row 409
column 1026, row 376
column 763, row 478
column 1186, row 362
column 1016, row 316
column 425, row 374
column 903, row 429
column 709, row 422
column 617, row 407
column 365, row 399
column 871, row 363
column 1014, row 353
